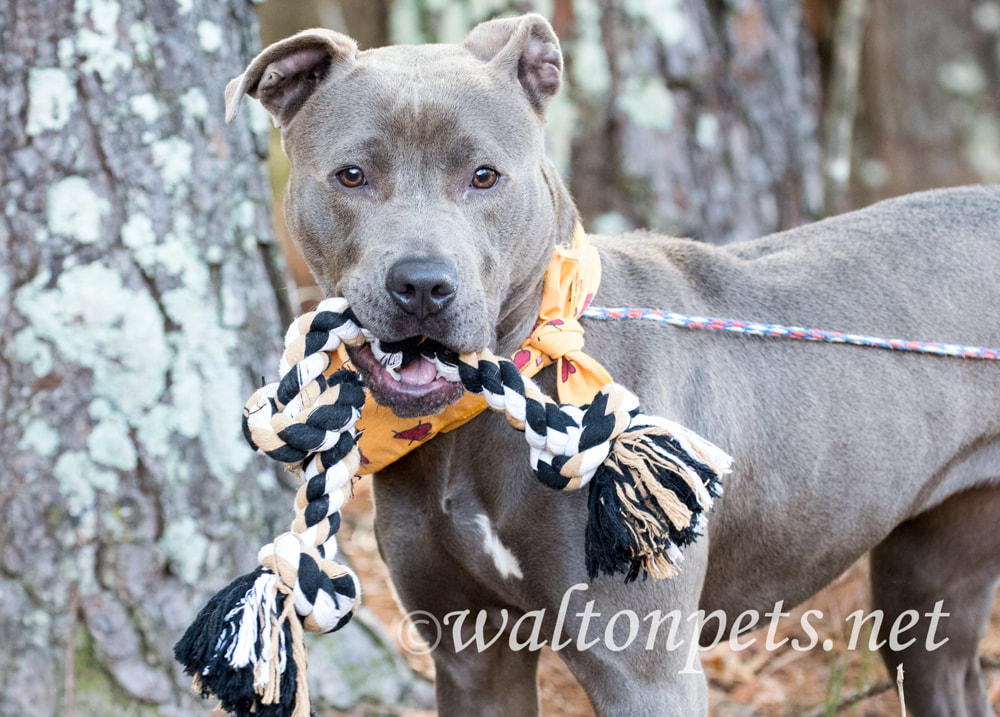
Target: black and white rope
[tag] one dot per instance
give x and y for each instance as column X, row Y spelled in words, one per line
column 652, row 482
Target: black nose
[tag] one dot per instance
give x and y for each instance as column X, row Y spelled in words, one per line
column 423, row 286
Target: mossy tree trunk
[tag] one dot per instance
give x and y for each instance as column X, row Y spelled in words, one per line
column 141, row 300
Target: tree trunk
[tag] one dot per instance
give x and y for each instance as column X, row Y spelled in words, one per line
column 696, row 118
column 929, row 116
column 141, row 300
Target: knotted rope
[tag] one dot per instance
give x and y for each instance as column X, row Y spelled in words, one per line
column 652, row 483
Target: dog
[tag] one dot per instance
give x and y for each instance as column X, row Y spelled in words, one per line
column 421, row 192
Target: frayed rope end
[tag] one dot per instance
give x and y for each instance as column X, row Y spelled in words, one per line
column 649, row 499
column 246, row 649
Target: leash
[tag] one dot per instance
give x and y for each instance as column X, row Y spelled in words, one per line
column 602, row 313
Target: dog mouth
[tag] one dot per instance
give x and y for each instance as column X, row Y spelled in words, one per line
column 413, row 377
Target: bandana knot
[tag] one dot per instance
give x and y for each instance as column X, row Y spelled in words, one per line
column 561, row 340
column 557, row 338
column 571, row 281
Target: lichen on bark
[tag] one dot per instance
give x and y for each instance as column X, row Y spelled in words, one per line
column 138, row 313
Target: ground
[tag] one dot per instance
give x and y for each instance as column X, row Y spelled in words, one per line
column 751, row 683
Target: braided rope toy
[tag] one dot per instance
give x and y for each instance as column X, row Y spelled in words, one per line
column 651, row 481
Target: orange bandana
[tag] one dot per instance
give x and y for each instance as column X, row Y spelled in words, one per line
column 571, row 281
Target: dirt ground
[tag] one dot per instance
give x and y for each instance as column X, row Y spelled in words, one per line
column 750, row 683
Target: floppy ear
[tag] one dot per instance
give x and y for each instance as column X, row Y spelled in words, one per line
column 284, row 75
column 527, row 48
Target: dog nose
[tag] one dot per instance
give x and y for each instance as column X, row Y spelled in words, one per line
column 422, row 287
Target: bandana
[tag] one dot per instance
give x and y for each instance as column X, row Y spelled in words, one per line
column 571, row 280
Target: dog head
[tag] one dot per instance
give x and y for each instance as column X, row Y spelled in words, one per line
column 419, row 187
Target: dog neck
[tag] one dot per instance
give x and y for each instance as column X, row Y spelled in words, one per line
column 517, row 323
column 521, row 311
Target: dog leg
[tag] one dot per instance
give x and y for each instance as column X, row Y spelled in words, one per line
column 476, row 670
column 949, row 555
column 656, row 674
column 497, row 681
column 619, row 690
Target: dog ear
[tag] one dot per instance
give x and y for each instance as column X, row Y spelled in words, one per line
column 527, row 48
column 286, row 73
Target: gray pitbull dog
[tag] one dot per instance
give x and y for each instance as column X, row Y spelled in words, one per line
column 420, row 191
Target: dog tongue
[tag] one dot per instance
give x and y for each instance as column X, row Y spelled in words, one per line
column 419, row 372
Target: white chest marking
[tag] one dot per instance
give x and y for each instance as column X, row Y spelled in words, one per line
column 504, row 560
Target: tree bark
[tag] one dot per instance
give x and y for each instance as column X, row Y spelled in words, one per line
column 841, row 103
column 930, row 114
column 141, row 300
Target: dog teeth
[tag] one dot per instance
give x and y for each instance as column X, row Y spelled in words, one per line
column 390, row 361
column 445, row 371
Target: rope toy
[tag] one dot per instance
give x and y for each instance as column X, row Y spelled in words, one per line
column 651, row 482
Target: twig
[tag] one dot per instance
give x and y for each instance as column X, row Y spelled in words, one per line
column 851, row 698
column 69, row 686
column 876, row 688
column 841, row 104
column 899, row 685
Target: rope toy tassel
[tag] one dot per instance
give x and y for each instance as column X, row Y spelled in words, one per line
column 227, row 652
column 651, row 484
column 649, row 500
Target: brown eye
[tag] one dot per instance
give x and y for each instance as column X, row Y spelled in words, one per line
column 485, row 177
column 351, row 177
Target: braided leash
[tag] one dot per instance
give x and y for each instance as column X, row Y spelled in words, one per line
column 788, row 332
column 651, row 482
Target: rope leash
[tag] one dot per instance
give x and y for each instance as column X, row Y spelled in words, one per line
column 788, row 332
column 651, row 482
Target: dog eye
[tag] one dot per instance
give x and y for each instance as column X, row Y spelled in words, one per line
column 351, row 177
column 484, row 177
